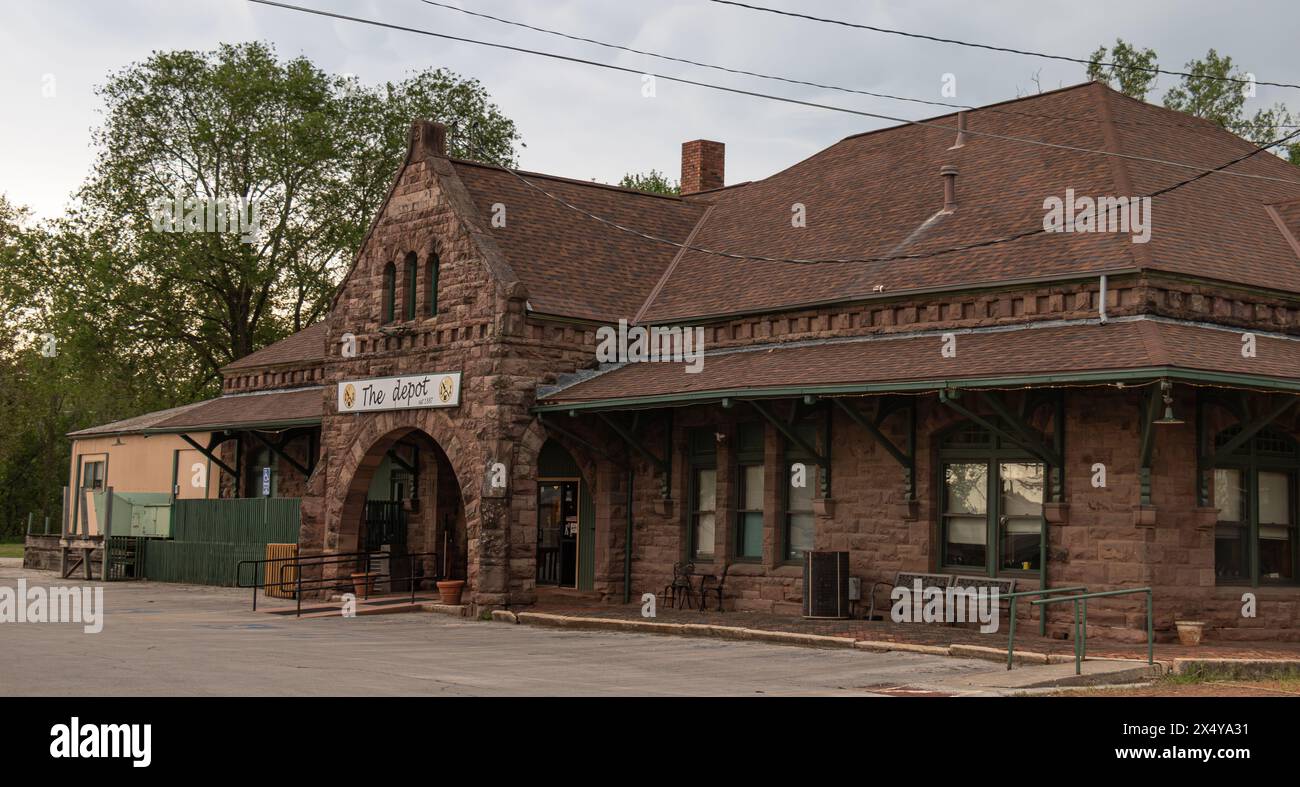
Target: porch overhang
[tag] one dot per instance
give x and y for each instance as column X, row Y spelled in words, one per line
column 269, row 411
column 1085, row 353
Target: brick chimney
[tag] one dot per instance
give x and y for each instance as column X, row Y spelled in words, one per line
column 702, row 165
column 429, row 139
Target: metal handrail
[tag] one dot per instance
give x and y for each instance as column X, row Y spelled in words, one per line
column 1042, row 614
column 1081, row 632
column 298, row 562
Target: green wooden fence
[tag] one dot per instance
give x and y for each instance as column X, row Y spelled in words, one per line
column 251, row 520
column 209, row 537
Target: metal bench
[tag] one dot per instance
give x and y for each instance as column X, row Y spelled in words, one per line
column 908, row 579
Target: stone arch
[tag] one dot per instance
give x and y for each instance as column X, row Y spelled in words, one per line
column 371, row 437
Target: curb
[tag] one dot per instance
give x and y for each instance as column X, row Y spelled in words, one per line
column 984, row 652
column 1237, row 669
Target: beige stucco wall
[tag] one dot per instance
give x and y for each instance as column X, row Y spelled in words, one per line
column 136, row 463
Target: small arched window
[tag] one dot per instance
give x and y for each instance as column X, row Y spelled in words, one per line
column 411, row 266
column 431, row 284
column 390, row 292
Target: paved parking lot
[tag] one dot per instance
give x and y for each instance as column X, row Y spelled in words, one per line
column 165, row 639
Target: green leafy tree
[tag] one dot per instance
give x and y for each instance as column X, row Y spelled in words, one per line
column 1210, row 93
column 1128, row 69
column 654, row 181
column 312, row 154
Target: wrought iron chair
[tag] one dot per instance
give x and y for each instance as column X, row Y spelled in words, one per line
column 680, row 589
column 718, row 583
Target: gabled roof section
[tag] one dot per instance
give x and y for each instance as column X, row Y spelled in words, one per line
column 878, row 195
column 570, row 264
column 306, row 347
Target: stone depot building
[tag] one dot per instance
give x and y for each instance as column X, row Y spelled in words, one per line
column 900, row 364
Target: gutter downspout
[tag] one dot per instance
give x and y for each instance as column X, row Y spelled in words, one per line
column 1101, row 300
column 627, row 540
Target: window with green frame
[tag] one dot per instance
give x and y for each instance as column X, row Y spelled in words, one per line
column 390, row 293
column 750, row 487
column 1255, row 491
column 702, row 464
column 991, row 503
column 799, row 531
column 412, row 266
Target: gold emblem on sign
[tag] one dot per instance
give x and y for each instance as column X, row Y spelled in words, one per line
column 349, row 395
column 445, row 389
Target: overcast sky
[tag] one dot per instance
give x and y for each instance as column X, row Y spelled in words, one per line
column 588, row 123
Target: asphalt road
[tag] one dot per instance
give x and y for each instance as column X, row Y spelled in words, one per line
column 186, row 640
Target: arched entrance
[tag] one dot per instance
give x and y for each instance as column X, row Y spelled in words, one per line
column 566, row 522
column 404, row 498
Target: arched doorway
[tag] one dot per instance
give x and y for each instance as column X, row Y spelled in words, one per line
column 403, row 499
column 566, row 522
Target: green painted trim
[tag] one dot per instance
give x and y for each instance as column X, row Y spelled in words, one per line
column 217, row 427
column 787, row 391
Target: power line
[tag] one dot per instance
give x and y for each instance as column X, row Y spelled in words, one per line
column 791, row 80
column 756, row 94
column 917, row 256
column 1030, row 53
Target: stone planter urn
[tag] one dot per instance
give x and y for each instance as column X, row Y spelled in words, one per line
column 1190, row 632
column 450, row 590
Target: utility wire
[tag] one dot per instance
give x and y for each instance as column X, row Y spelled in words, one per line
column 756, row 94
column 1030, row 53
column 793, row 81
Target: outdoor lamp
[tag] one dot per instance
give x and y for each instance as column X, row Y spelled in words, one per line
column 1166, row 392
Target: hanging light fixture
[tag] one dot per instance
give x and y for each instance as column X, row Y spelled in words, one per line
column 1167, row 393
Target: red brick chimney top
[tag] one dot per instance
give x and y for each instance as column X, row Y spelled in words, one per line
column 702, row 165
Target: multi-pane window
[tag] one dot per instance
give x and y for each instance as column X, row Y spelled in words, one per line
column 992, row 503
column 92, row 475
column 1255, row 490
column 802, row 476
column 703, row 467
column 750, row 480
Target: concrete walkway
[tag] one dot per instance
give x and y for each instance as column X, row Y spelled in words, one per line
column 186, row 640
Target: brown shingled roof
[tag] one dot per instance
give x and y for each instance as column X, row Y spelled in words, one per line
column 1074, row 351
column 136, row 424
column 867, row 194
column 573, row 265
column 304, row 347
column 299, row 406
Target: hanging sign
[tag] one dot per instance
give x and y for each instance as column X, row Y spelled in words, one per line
column 437, row 389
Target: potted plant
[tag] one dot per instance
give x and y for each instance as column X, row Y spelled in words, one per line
column 363, row 583
column 1190, row 630
column 450, row 591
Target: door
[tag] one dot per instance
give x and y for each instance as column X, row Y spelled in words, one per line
column 557, row 532
column 997, row 504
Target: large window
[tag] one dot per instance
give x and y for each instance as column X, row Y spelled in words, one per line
column 991, row 504
column 1255, row 492
column 390, row 293
column 802, row 476
column 750, row 487
column 703, row 493
column 411, row 266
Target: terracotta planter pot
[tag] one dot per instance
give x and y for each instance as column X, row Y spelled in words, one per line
column 363, row 584
column 450, row 590
column 1190, row 632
